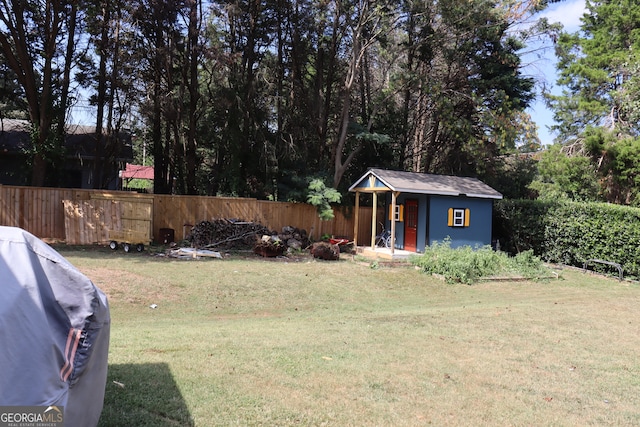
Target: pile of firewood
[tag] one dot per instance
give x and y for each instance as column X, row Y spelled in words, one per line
column 226, row 234
column 294, row 238
column 231, row 234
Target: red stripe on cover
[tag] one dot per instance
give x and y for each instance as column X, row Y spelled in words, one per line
column 73, row 339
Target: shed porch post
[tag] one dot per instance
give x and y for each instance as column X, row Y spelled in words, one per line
column 394, row 196
column 374, row 220
column 355, row 222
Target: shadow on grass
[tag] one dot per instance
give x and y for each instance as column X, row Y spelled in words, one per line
column 143, row 395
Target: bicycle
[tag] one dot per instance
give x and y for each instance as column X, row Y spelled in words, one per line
column 383, row 240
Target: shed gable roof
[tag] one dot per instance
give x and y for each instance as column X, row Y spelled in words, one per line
column 422, row 183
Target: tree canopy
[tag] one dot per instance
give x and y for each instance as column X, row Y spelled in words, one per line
column 261, row 98
column 598, row 111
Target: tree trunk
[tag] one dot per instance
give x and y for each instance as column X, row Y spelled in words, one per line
column 194, row 95
column 101, row 95
column 39, row 171
column 160, row 185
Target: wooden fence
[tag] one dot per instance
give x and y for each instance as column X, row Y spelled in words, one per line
column 86, row 216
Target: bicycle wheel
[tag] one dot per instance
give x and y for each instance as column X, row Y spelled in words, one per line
column 387, row 242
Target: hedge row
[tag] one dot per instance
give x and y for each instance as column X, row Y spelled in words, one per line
column 570, row 232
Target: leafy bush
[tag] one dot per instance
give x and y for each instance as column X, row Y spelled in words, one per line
column 565, row 177
column 578, row 232
column 321, row 197
column 528, row 265
column 571, row 232
column 139, row 184
column 519, row 225
column 467, row 265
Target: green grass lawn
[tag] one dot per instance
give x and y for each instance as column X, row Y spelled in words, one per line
column 256, row 342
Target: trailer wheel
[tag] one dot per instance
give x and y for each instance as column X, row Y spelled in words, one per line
column 113, row 245
column 126, row 247
column 139, row 247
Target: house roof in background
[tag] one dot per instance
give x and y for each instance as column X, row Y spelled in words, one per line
column 14, row 136
column 423, row 183
column 137, row 171
column 80, row 141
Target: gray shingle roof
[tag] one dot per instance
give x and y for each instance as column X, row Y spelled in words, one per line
column 422, row 183
column 80, row 141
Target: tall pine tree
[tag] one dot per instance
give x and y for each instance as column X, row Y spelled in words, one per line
column 598, row 111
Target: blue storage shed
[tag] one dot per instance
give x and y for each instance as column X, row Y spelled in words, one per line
column 425, row 208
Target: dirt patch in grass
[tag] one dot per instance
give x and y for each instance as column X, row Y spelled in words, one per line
column 128, row 287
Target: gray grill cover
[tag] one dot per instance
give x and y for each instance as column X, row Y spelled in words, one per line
column 54, row 331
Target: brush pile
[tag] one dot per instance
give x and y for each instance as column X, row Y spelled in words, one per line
column 270, row 246
column 326, row 251
column 231, row 234
column 226, row 234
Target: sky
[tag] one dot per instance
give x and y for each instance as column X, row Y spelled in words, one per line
column 542, row 64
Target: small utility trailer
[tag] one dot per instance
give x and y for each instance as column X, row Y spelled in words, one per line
column 129, row 239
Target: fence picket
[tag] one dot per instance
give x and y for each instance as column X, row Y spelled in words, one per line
column 49, row 213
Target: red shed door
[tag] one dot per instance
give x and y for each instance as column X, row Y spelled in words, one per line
column 411, row 225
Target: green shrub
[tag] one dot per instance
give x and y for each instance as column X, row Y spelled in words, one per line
column 467, row 265
column 519, row 225
column 321, row 197
column 527, row 264
column 571, row 232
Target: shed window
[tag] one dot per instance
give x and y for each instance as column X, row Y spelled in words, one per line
column 398, row 215
column 458, row 217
